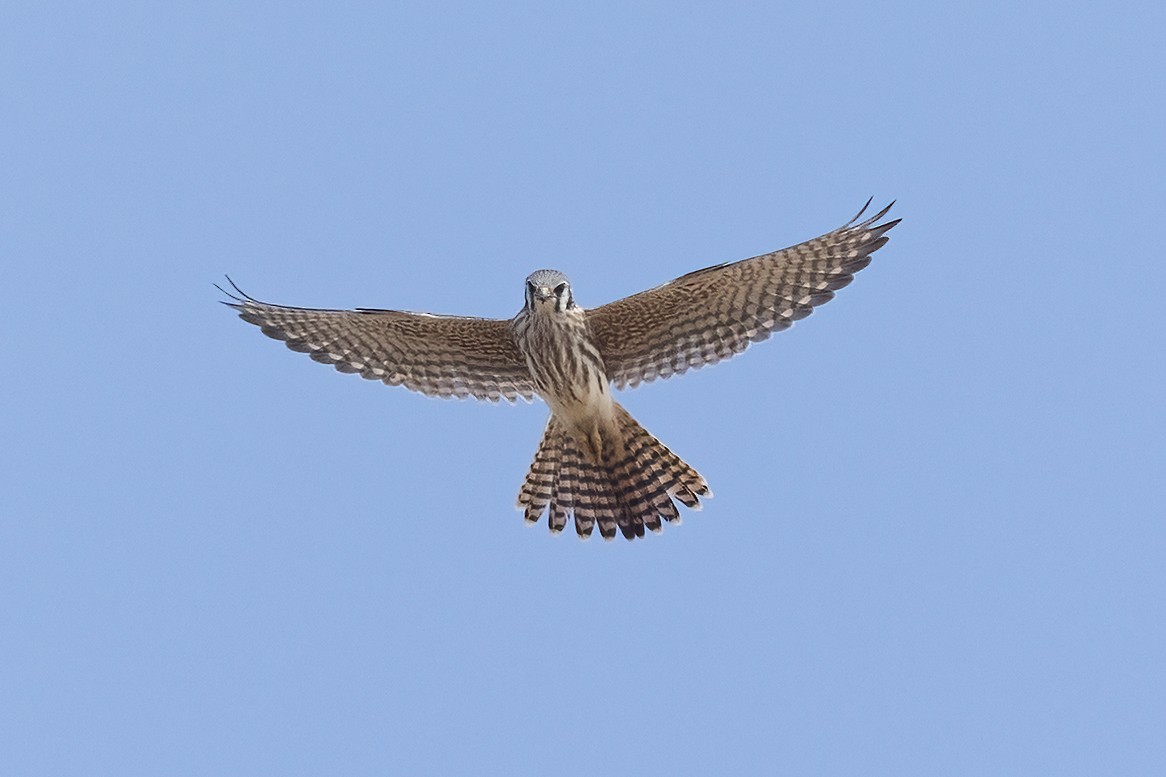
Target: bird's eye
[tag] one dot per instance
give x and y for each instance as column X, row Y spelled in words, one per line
column 560, row 289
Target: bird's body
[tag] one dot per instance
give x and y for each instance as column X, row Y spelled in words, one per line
column 565, row 365
column 595, row 463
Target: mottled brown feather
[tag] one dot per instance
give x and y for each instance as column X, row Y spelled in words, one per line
column 442, row 356
column 712, row 314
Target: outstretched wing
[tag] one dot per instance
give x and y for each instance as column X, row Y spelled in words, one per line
column 714, row 313
column 442, row 356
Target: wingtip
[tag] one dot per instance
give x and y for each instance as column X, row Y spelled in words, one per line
column 855, row 222
column 861, row 211
column 239, row 296
column 883, row 212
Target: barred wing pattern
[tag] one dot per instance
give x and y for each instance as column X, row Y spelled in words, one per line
column 442, row 356
column 715, row 313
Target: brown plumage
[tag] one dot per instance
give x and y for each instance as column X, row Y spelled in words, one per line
column 441, row 356
column 595, row 464
column 631, row 489
column 714, row 313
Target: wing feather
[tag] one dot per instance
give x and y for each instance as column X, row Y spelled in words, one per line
column 717, row 312
column 441, row 356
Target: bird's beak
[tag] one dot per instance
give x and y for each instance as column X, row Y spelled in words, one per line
column 543, row 292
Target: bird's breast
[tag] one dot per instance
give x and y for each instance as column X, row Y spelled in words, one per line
column 566, row 367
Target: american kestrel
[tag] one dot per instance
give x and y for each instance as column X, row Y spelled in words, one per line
column 595, row 463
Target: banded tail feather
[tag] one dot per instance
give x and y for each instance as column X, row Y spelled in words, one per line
column 631, row 489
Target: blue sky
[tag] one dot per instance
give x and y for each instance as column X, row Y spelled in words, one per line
column 937, row 539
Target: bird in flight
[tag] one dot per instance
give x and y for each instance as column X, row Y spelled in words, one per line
column 595, row 464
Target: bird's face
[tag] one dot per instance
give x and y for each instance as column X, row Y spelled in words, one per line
column 548, row 291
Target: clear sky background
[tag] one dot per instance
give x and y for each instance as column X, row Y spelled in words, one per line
column 937, row 544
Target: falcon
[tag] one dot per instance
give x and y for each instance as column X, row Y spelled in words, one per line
column 595, row 464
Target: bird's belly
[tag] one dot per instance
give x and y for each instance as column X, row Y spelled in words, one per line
column 589, row 417
column 568, row 373
column 582, row 408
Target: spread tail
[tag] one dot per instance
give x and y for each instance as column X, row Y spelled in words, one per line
column 631, row 489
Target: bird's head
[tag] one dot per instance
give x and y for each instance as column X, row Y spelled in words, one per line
column 547, row 291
